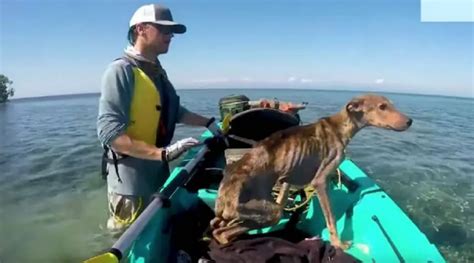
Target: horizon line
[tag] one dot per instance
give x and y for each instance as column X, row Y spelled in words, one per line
column 299, row 89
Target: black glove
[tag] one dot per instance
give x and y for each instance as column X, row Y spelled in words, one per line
column 216, row 143
column 213, row 126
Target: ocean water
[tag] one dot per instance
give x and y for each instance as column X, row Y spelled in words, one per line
column 53, row 201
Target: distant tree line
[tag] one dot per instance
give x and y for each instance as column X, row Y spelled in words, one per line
column 5, row 90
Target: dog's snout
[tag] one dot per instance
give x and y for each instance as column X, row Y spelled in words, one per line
column 409, row 122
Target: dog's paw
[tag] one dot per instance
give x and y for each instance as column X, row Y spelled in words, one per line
column 344, row 245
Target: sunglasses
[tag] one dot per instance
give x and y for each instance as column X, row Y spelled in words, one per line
column 165, row 30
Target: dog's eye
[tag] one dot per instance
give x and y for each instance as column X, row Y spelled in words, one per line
column 383, row 106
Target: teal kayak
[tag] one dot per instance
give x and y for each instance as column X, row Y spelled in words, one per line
column 379, row 230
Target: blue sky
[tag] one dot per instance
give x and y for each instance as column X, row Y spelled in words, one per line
column 62, row 47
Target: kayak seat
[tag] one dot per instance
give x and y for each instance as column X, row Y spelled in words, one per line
column 257, row 124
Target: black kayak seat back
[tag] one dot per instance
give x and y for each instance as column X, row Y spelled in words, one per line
column 259, row 123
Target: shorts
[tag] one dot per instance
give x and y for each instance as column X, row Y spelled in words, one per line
column 123, row 210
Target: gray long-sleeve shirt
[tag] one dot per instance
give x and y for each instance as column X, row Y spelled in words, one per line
column 139, row 177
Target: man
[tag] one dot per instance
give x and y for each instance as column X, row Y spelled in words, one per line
column 138, row 111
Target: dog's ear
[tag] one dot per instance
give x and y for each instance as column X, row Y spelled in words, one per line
column 355, row 105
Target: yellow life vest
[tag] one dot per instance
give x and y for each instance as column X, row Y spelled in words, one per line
column 145, row 110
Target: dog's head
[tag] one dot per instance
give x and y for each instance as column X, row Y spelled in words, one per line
column 378, row 111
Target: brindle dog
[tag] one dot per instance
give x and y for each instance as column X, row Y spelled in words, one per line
column 297, row 156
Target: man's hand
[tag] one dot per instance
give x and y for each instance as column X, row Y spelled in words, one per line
column 213, row 127
column 175, row 150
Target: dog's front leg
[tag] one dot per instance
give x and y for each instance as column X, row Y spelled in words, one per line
column 319, row 182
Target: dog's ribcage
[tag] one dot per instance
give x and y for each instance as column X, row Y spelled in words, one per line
column 299, row 164
column 297, row 156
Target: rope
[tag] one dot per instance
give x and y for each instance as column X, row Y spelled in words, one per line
column 306, row 194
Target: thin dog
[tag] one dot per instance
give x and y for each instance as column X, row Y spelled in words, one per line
column 297, row 156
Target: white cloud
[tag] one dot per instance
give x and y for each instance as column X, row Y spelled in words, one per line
column 379, row 81
column 293, row 79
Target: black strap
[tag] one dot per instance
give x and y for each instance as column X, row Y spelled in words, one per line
column 161, row 138
column 242, row 139
column 114, row 156
column 164, row 156
column 105, row 172
column 105, row 160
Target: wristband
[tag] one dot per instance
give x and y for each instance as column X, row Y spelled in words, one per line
column 164, row 158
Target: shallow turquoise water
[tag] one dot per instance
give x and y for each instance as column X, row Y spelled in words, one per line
column 53, row 203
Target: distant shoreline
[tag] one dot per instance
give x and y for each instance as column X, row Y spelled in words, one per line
column 93, row 94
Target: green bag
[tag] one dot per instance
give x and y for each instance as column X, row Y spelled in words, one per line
column 233, row 104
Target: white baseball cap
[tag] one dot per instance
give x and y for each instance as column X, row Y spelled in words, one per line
column 156, row 14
